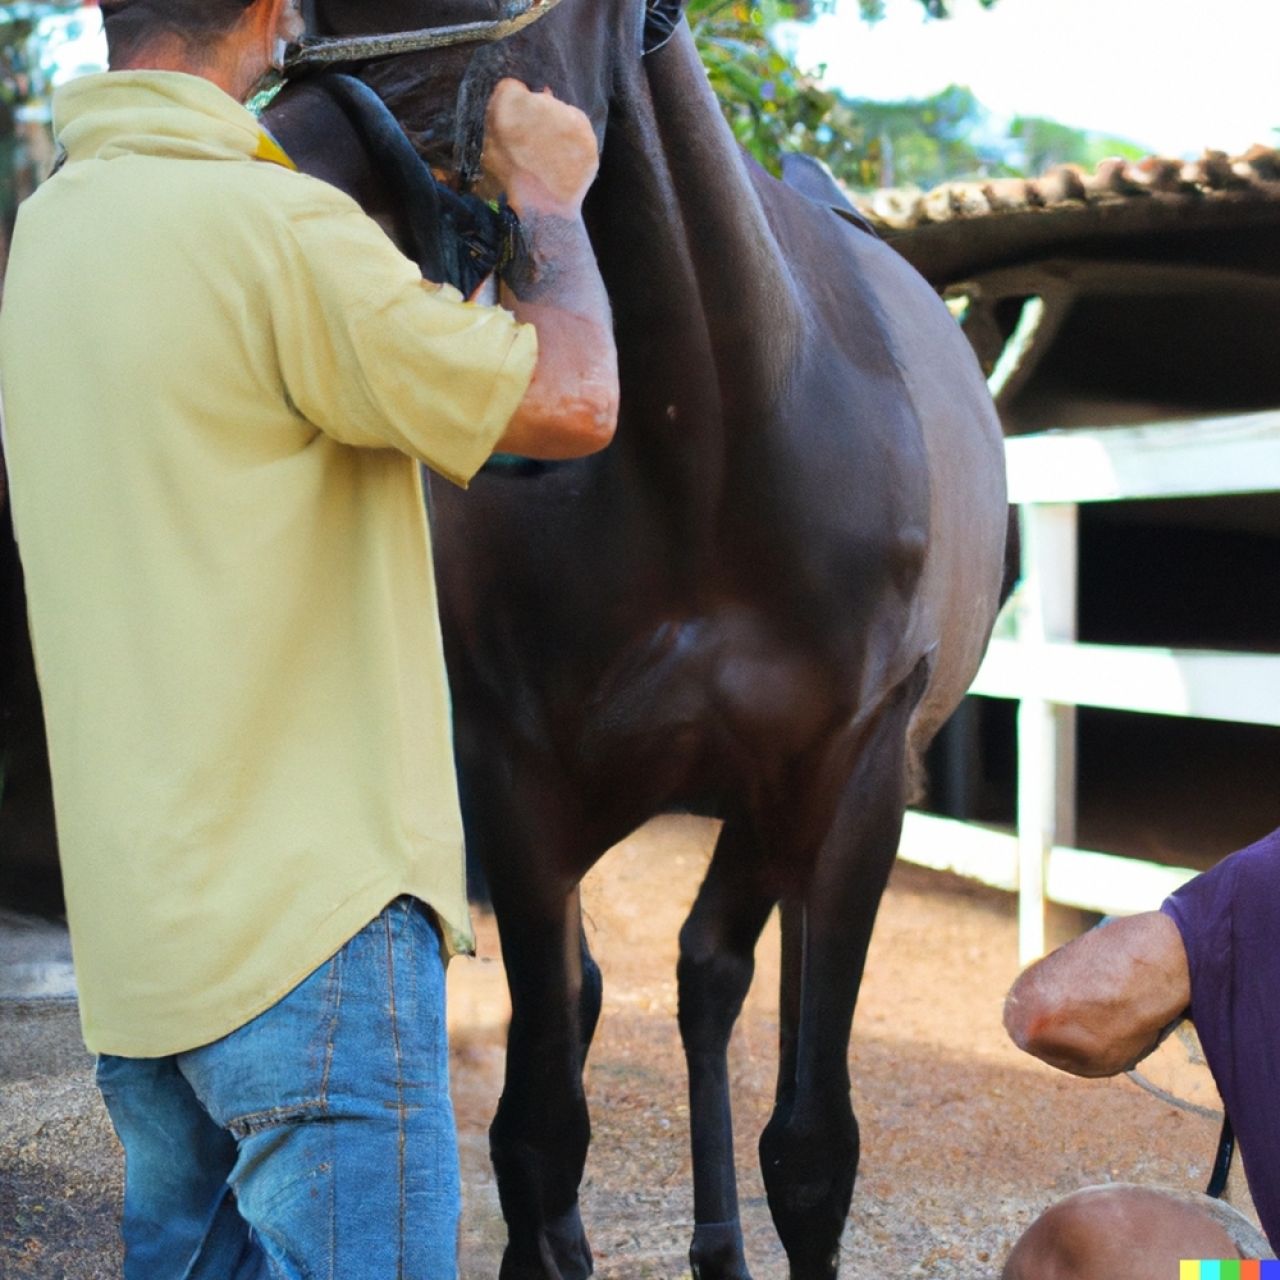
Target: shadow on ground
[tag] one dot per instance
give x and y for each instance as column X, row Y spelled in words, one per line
column 964, row 1140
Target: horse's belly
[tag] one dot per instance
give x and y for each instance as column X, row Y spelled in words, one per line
column 705, row 702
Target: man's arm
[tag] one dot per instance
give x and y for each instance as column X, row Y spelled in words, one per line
column 542, row 154
column 1098, row 1005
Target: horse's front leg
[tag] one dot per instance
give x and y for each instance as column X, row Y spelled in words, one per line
column 717, row 947
column 539, row 1137
column 809, row 1150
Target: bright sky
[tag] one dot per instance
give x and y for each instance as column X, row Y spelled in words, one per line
column 1175, row 76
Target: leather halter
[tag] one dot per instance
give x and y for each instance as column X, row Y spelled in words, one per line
column 316, row 51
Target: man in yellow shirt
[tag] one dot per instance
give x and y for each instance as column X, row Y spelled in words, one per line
column 219, row 377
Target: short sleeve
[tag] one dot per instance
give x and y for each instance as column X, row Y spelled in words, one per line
column 1203, row 911
column 375, row 356
column 1229, row 919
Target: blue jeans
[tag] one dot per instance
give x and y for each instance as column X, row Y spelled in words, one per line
column 315, row 1143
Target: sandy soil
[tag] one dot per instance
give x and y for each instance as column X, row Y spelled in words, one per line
column 964, row 1139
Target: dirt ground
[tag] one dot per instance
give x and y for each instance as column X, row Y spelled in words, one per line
column 964, row 1139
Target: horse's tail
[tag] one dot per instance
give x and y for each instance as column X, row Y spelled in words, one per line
column 1012, row 557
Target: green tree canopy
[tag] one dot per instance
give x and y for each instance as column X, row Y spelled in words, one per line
column 770, row 104
column 922, row 141
column 1045, row 143
column 774, row 107
column 873, row 10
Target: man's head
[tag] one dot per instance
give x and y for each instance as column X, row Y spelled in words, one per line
column 231, row 42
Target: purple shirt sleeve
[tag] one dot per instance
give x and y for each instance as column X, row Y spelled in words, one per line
column 1229, row 919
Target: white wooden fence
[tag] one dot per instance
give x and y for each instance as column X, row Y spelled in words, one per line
column 1036, row 660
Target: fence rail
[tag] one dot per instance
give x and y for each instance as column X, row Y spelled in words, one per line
column 1049, row 674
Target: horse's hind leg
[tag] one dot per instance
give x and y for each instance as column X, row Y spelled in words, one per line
column 717, row 946
column 539, row 1136
column 791, row 916
column 809, row 1150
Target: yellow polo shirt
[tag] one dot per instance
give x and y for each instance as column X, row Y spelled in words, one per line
column 217, row 373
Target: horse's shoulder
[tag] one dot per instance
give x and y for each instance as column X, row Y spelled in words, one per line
column 311, row 125
column 818, row 231
column 813, row 180
column 831, row 249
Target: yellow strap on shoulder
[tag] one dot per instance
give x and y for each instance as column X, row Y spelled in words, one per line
column 269, row 149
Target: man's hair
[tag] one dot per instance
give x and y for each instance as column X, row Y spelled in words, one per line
column 131, row 26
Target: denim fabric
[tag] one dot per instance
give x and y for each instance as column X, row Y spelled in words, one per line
column 315, row 1143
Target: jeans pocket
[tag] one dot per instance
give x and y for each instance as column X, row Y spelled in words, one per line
column 244, row 1126
column 106, row 1070
column 274, row 1070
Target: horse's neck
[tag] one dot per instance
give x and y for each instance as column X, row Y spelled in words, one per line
column 706, row 312
column 747, row 294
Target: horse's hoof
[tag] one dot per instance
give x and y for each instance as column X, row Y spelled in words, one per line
column 824, row 1269
column 545, row 1267
column 811, row 1261
column 567, row 1241
column 716, row 1252
column 561, row 1253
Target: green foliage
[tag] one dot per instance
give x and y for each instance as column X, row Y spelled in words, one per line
column 773, row 108
column 873, row 10
column 1045, row 143
column 770, row 104
column 921, row 141
column 15, row 70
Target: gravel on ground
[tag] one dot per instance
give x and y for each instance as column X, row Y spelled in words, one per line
column 964, row 1140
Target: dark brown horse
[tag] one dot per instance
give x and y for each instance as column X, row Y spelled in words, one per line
column 759, row 603
column 29, row 879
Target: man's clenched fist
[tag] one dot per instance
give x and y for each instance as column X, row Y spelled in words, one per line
column 539, row 150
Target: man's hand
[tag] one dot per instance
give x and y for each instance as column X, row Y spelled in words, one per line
column 1098, row 1005
column 539, row 150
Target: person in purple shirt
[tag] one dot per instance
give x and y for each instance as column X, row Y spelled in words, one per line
column 1103, row 1002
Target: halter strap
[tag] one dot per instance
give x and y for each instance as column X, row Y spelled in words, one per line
column 317, row 51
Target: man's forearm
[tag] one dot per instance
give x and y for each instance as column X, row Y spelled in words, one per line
column 544, row 155
column 1099, row 1004
column 554, row 284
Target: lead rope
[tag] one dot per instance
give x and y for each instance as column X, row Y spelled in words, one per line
column 1222, row 1161
column 1226, row 1137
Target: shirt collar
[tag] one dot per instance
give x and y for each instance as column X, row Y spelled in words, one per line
column 157, row 113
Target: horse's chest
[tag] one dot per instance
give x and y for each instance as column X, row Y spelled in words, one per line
column 705, row 698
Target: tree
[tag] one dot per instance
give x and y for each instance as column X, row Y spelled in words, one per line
column 873, row 10
column 921, row 141
column 771, row 105
column 1045, row 143
column 773, row 108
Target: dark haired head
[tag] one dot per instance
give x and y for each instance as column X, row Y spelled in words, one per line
column 133, row 25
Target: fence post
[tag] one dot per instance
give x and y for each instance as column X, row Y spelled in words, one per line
column 1046, row 731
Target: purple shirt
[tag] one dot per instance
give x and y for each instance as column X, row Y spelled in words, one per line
column 1229, row 919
